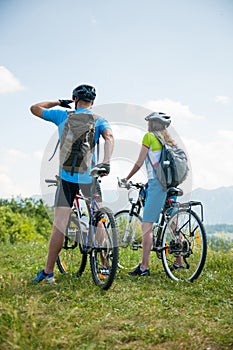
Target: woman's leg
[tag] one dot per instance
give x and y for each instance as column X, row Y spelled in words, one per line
column 154, row 203
column 146, row 243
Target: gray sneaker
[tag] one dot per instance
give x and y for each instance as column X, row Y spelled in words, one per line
column 176, row 266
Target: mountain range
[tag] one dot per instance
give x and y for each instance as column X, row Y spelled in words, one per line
column 217, row 203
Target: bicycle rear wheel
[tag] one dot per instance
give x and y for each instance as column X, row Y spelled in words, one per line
column 73, row 260
column 104, row 254
column 185, row 246
column 130, row 238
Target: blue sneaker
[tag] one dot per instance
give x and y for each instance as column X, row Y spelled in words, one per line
column 44, row 277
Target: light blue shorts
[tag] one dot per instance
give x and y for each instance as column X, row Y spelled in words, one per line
column 155, row 199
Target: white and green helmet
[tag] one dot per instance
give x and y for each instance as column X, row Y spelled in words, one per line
column 160, row 117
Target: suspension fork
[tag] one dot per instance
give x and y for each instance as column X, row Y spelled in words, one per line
column 127, row 238
column 157, row 236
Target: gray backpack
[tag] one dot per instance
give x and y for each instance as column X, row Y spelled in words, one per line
column 77, row 143
column 173, row 168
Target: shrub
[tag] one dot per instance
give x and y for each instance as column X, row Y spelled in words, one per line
column 23, row 220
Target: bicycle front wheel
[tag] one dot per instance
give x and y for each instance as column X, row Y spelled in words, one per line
column 72, row 259
column 185, row 246
column 130, row 238
column 104, row 253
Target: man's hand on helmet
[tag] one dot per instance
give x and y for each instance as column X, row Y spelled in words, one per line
column 65, row 103
column 104, row 166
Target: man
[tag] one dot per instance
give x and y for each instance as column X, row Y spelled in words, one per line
column 83, row 96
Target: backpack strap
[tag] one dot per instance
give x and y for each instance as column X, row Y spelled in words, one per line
column 96, row 116
column 55, row 150
column 58, row 141
column 98, row 151
column 161, row 140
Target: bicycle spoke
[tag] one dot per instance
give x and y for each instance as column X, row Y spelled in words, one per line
column 104, row 253
column 185, row 241
column 70, row 259
column 130, row 239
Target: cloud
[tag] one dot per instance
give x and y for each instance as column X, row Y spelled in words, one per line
column 174, row 108
column 128, row 132
column 211, row 162
column 222, row 99
column 19, row 172
column 7, row 186
column 14, row 155
column 8, row 82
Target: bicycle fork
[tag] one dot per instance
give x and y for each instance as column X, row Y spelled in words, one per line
column 126, row 239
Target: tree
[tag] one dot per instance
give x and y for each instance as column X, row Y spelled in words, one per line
column 23, row 220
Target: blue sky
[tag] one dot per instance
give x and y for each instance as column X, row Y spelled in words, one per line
column 172, row 56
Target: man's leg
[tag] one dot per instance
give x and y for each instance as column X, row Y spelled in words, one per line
column 64, row 198
column 61, row 219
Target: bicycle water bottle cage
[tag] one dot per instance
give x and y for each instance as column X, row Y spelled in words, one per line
column 68, row 244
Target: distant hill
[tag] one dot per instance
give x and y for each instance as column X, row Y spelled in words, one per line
column 217, row 203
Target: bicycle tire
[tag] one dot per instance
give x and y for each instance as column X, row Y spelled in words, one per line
column 104, row 255
column 189, row 248
column 72, row 261
column 130, row 238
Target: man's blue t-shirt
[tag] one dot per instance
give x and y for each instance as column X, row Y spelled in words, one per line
column 58, row 117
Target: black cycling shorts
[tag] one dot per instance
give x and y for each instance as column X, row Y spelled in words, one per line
column 66, row 192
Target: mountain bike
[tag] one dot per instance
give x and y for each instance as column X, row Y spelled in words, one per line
column 98, row 239
column 179, row 237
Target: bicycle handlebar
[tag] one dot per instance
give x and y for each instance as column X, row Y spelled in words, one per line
column 129, row 184
column 48, row 181
column 53, row 182
column 95, row 172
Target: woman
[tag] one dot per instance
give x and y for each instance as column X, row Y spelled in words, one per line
column 155, row 199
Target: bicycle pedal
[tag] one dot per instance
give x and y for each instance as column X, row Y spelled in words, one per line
column 135, row 246
column 120, row 266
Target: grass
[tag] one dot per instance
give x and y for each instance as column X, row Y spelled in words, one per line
column 136, row 313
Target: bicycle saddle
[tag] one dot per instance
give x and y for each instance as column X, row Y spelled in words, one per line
column 174, row 191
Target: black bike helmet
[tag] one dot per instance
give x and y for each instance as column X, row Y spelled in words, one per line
column 160, row 117
column 84, row 92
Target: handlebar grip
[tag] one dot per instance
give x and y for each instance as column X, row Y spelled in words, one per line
column 95, row 172
column 49, row 181
column 124, row 184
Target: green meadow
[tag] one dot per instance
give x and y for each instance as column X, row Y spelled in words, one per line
column 135, row 313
